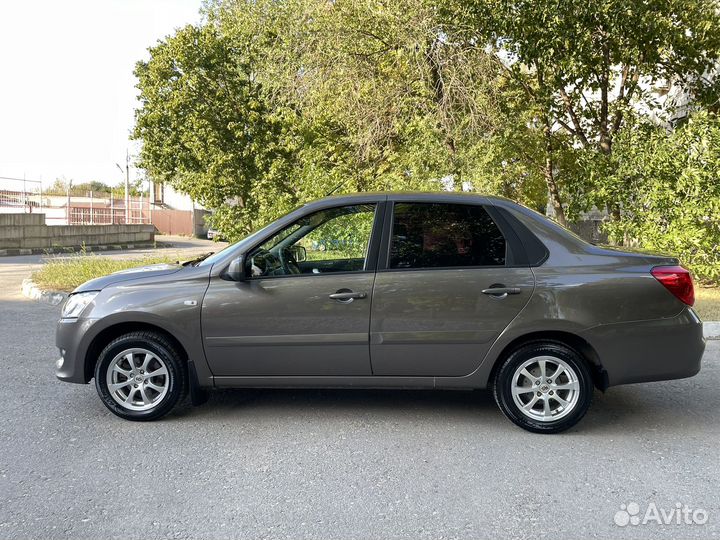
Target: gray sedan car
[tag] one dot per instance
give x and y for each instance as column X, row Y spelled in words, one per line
column 389, row 290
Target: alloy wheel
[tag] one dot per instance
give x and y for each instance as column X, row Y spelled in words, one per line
column 137, row 379
column 545, row 388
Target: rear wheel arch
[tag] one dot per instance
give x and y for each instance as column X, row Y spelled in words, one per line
column 581, row 346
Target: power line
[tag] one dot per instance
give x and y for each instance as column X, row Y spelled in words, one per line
column 20, row 179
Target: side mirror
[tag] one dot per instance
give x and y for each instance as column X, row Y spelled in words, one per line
column 299, row 253
column 236, row 270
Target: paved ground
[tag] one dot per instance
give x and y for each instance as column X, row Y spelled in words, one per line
column 339, row 464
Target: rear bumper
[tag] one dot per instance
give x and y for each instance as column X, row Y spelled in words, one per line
column 654, row 350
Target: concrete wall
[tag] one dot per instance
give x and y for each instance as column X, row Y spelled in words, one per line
column 29, row 231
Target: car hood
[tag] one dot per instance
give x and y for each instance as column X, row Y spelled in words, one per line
column 150, row 271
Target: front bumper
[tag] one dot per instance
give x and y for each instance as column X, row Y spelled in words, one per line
column 654, row 350
column 70, row 338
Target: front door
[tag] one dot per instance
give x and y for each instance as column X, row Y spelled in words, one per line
column 304, row 309
column 434, row 312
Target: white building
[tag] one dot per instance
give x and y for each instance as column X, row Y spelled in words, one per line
column 163, row 195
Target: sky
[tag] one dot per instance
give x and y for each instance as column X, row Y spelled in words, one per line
column 67, row 90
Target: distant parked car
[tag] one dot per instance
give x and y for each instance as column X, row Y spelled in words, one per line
column 213, row 234
column 438, row 291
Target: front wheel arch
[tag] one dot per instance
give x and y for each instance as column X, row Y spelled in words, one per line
column 107, row 335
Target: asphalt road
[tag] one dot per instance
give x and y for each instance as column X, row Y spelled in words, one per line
column 340, row 464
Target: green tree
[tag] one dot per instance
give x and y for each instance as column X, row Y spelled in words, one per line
column 408, row 103
column 583, row 65
column 61, row 186
column 207, row 129
column 267, row 104
column 667, row 185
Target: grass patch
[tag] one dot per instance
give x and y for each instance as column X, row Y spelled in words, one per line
column 66, row 273
column 707, row 303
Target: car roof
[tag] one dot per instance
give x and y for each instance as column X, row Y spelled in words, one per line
column 424, row 196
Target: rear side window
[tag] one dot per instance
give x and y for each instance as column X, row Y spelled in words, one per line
column 432, row 235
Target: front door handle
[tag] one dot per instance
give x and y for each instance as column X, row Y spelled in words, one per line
column 346, row 295
column 501, row 291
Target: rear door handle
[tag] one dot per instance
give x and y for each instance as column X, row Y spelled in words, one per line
column 501, row 291
column 347, row 296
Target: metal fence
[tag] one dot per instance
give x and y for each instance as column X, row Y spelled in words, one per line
column 19, row 195
column 101, row 209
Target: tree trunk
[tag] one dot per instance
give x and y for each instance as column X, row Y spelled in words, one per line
column 604, row 101
column 554, row 193
column 437, row 86
column 549, row 173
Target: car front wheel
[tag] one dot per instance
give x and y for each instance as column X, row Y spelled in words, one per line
column 544, row 387
column 140, row 376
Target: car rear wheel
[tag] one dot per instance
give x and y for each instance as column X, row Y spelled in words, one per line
column 544, row 387
column 140, row 376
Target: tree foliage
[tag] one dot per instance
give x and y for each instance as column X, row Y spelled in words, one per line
column 208, row 130
column 583, row 65
column 61, row 186
column 667, row 185
column 266, row 104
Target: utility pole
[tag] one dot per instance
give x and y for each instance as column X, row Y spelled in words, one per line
column 67, row 206
column 127, row 185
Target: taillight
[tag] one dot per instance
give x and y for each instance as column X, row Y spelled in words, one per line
column 677, row 280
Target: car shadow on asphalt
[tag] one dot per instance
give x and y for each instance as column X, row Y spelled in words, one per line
column 381, row 405
column 676, row 406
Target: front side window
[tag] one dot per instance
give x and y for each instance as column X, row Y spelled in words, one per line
column 432, row 235
column 332, row 240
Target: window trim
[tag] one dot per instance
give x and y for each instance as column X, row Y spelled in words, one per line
column 533, row 252
column 514, row 256
column 371, row 261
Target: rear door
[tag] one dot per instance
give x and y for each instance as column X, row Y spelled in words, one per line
column 447, row 286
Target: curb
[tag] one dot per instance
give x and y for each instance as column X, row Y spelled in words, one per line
column 32, row 291
column 13, row 252
column 711, row 329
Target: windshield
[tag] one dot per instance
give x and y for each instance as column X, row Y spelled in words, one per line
column 212, row 259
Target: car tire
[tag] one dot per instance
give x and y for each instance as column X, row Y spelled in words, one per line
column 543, row 387
column 148, row 388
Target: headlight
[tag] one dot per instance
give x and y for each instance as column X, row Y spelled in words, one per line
column 76, row 303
